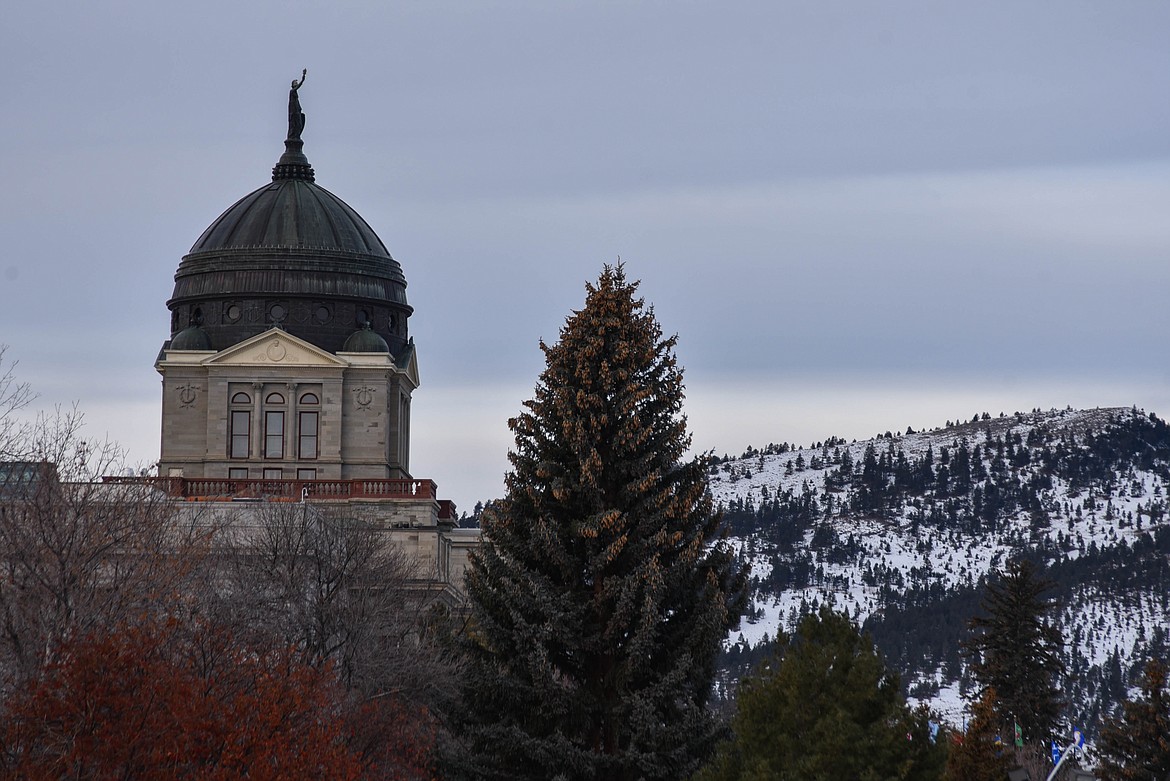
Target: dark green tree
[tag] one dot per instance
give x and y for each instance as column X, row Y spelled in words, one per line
column 826, row 708
column 1136, row 747
column 598, row 599
column 1015, row 650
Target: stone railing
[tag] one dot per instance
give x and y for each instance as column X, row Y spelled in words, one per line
column 214, row 489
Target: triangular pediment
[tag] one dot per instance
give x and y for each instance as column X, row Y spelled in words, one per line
column 274, row 347
column 408, row 364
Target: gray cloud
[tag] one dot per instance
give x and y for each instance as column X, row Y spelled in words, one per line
column 814, row 190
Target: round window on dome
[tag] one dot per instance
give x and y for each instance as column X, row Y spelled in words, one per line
column 233, row 313
column 321, row 313
column 277, row 313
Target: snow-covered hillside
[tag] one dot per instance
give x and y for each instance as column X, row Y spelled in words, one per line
column 902, row 530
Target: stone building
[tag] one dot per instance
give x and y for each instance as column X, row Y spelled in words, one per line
column 289, row 370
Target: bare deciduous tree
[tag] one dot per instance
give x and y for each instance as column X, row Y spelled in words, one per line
column 330, row 581
column 76, row 553
column 14, row 397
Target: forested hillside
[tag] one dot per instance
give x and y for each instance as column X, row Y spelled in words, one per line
column 902, row 530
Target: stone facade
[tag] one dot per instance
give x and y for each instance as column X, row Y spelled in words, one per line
column 439, row 553
column 277, row 407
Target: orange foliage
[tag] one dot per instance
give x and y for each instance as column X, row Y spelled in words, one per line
column 164, row 702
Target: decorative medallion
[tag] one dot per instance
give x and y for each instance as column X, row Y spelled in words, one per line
column 276, row 351
column 187, row 394
column 364, row 396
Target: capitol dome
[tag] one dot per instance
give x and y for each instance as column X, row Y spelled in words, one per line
column 294, row 255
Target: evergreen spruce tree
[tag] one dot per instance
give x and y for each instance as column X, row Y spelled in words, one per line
column 598, row 600
column 826, row 708
column 1016, row 651
column 1136, row 747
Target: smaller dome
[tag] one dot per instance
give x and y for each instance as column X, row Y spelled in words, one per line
column 191, row 338
column 364, row 340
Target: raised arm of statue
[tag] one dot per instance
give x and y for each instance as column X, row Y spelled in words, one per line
column 296, row 117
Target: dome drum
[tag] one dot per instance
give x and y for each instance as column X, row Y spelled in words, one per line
column 324, row 321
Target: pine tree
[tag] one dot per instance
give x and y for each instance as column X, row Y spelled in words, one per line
column 826, row 708
column 598, row 600
column 1136, row 747
column 1016, row 651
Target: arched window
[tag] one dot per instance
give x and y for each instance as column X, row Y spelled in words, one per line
column 309, row 398
column 241, row 398
column 274, row 398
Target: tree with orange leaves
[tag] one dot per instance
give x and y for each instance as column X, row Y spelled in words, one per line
column 163, row 701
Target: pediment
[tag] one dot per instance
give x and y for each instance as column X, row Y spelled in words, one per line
column 274, row 347
column 409, row 364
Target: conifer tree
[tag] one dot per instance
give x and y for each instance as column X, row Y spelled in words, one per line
column 826, row 708
column 598, row 600
column 1016, row 651
column 1136, row 747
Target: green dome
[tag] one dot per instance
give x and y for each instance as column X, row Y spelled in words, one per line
column 364, row 340
column 191, row 338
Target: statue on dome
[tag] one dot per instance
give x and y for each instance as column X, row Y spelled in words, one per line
column 296, row 117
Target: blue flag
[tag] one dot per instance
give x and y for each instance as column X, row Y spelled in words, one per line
column 1055, row 753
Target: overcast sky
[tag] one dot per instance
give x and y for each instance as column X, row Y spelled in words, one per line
column 857, row 216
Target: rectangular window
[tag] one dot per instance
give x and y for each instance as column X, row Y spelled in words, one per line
column 274, row 435
column 241, row 433
column 306, row 474
column 237, row 473
column 308, row 435
column 273, row 474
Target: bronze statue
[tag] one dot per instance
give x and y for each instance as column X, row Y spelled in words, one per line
column 296, row 117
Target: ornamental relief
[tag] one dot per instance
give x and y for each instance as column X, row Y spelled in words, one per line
column 187, row 395
column 273, row 351
column 364, row 396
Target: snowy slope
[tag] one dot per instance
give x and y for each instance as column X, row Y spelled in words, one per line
column 1083, row 491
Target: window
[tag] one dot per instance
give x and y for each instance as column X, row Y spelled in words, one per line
column 309, row 398
column 273, row 434
column 306, row 474
column 308, row 434
column 274, row 398
column 273, row 474
column 241, row 438
column 238, row 473
column 241, row 398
